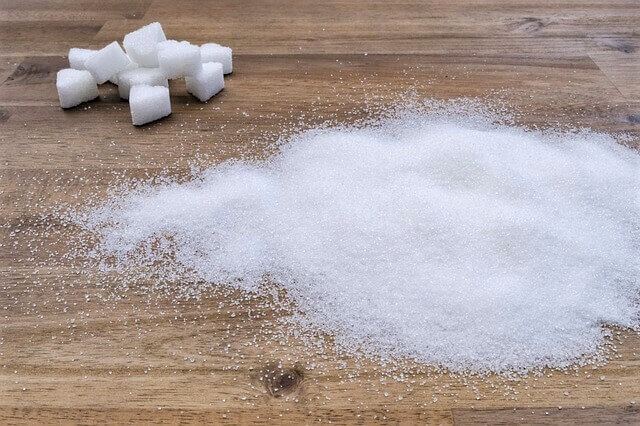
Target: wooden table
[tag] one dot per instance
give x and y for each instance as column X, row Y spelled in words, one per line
column 68, row 356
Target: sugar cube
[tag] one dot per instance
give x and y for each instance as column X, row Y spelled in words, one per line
column 213, row 52
column 207, row 82
column 114, row 78
column 106, row 62
column 140, row 76
column 75, row 86
column 149, row 103
column 78, row 56
column 142, row 45
column 167, row 43
column 179, row 59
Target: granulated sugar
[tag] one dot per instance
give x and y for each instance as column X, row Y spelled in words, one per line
column 439, row 237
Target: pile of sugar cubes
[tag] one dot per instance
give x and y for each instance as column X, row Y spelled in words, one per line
column 142, row 73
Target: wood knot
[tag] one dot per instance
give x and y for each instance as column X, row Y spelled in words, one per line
column 4, row 115
column 36, row 70
column 279, row 381
column 633, row 118
column 624, row 46
column 529, row 25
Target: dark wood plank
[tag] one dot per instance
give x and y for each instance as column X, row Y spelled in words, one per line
column 51, row 27
column 628, row 415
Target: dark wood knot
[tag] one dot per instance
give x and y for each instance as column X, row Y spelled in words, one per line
column 624, row 46
column 4, row 115
column 633, row 118
column 529, row 25
column 279, row 381
column 36, row 70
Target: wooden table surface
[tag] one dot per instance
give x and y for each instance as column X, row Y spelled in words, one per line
column 66, row 355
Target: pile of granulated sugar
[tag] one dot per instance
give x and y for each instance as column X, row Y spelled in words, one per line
column 437, row 237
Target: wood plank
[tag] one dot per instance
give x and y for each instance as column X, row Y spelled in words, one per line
column 318, row 87
column 64, row 351
column 427, row 27
column 220, row 416
column 7, row 65
column 619, row 60
column 31, row 78
column 628, row 415
column 51, row 27
column 35, row 11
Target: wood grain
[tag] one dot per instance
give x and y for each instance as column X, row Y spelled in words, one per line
column 68, row 356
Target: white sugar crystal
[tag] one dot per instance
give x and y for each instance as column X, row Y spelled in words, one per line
column 77, row 57
column 140, row 76
column 440, row 236
column 107, row 62
column 213, row 52
column 179, row 59
column 142, row 45
column 167, row 43
column 115, row 78
column 75, row 86
column 207, row 82
column 149, row 103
